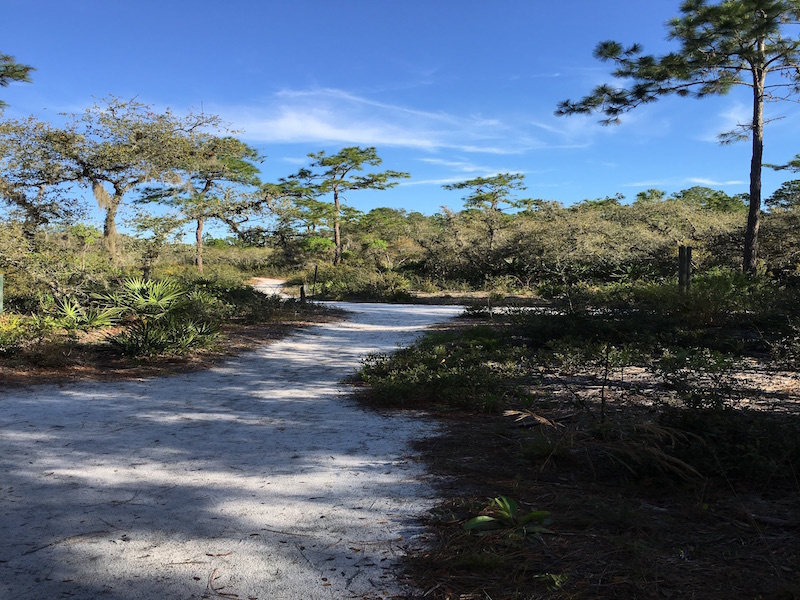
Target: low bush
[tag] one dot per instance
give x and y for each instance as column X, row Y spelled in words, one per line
column 14, row 332
column 749, row 446
column 476, row 369
column 162, row 317
column 172, row 334
column 355, row 283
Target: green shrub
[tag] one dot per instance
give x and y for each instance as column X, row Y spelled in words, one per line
column 701, row 378
column 741, row 444
column 478, row 369
column 785, row 350
column 14, row 332
column 173, row 334
column 353, row 283
column 162, row 317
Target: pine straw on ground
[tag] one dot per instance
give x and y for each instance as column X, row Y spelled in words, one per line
column 659, row 533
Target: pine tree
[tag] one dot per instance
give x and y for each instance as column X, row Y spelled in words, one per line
column 722, row 45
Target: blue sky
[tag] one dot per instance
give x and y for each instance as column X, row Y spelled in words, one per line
column 447, row 90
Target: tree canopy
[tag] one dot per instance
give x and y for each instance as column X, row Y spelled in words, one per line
column 117, row 145
column 214, row 173
column 11, row 70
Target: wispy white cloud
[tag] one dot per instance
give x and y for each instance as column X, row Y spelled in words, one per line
column 345, row 96
column 458, row 165
column 295, row 160
column 714, row 182
column 576, row 131
column 652, row 183
column 329, row 115
column 683, row 181
column 732, row 117
column 442, row 181
column 462, row 166
column 461, row 170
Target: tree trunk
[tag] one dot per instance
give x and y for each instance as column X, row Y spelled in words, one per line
column 147, row 268
column 750, row 257
column 110, row 231
column 337, row 238
column 198, row 255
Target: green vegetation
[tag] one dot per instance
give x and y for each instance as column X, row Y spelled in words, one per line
column 582, row 382
column 605, row 402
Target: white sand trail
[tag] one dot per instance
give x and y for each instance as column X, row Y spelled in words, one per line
column 255, row 479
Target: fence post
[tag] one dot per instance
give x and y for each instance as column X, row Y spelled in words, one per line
column 303, row 293
column 314, row 287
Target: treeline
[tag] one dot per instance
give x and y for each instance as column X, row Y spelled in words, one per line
column 498, row 242
column 166, row 172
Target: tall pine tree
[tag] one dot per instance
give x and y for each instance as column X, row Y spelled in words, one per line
column 722, row 45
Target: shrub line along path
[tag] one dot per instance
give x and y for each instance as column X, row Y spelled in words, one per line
column 258, row 478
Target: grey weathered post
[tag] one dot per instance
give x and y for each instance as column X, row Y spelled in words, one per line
column 314, row 287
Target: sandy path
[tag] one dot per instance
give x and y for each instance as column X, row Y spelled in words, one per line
column 257, row 479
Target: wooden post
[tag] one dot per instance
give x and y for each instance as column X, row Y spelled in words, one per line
column 314, row 287
column 1, row 293
column 303, row 293
column 684, row 267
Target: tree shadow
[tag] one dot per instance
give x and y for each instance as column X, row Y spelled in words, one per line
column 258, row 478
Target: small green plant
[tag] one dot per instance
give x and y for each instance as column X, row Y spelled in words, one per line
column 786, row 350
column 503, row 513
column 172, row 335
column 701, row 378
column 553, row 581
column 74, row 318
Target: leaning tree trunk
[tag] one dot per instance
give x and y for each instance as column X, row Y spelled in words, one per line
column 110, row 204
column 198, row 255
column 750, row 258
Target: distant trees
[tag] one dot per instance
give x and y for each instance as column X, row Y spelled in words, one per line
column 731, row 43
column 596, row 241
column 192, row 171
column 709, row 199
column 786, row 196
column 489, row 196
column 211, row 176
column 118, row 145
column 122, row 149
column 335, row 175
column 32, row 174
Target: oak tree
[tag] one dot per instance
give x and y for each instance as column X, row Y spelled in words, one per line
column 118, row 145
column 32, row 175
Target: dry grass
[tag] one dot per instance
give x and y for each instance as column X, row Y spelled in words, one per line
column 628, row 519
